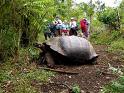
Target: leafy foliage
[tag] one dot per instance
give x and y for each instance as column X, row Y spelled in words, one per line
column 115, row 86
column 121, row 10
column 88, row 8
column 21, row 21
column 76, row 89
column 19, row 77
column 109, row 17
column 117, row 47
column 105, row 37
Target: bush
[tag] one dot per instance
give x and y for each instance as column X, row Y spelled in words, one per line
column 76, row 89
column 110, row 18
column 105, row 37
column 8, row 43
column 33, row 53
column 19, row 76
column 117, row 46
column 115, row 86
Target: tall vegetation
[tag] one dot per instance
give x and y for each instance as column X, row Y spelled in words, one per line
column 21, row 21
column 88, row 9
column 110, row 18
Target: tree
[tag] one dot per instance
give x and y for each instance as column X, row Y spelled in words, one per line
column 100, row 6
column 110, row 18
column 89, row 11
column 121, row 12
column 21, row 20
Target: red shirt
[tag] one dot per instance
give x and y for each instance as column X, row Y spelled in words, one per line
column 83, row 25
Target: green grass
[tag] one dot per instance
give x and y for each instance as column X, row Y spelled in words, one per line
column 115, row 86
column 41, row 37
column 115, row 43
column 18, row 77
column 113, row 40
column 105, row 37
column 76, row 89
column 117, row 47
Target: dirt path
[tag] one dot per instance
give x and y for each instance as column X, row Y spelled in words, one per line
column 90, row 78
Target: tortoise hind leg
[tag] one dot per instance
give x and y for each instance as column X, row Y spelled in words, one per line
column 49, row 59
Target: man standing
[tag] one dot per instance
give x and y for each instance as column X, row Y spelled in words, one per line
column 84, row 27
column 73, row 27
column 58, row 24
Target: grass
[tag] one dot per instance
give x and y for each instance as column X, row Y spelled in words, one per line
column 76, row 89
column 41, row 37
column 18, row 77
column 115, row 86
column 117, row 46
column 115, row 43
column 105, row 37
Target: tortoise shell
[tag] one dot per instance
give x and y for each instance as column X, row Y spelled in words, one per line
column 76, row 48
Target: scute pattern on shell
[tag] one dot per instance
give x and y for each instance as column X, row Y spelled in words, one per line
column 74, row 47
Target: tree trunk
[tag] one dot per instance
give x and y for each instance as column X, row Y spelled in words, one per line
column 90, row 29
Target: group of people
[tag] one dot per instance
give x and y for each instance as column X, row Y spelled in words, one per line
column 59, row 28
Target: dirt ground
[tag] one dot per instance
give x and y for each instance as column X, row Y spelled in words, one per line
column 90, row 78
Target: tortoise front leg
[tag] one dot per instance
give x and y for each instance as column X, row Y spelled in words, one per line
column 49, row 59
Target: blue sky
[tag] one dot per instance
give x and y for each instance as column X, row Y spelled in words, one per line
column 111, row 3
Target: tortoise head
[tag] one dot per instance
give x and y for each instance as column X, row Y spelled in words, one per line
column 41, row 46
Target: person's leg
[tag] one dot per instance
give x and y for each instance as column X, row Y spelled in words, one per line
column 59, row 32
column 72, row 31
column 56, row 33
column 83, row 32
column 49, row 35
column 75, row 32
column 52, row 35
column 45, row 35
column 67, row 33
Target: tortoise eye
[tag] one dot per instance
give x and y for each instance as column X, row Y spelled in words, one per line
column 37, row 45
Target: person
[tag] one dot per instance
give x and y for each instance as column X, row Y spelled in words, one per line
column 52, row 28
column 73, row 27
column 58, row 24
column 65, row 28
column 84, row 25
column 47, row 32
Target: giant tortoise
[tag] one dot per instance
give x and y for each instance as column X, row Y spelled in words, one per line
column 67, row 49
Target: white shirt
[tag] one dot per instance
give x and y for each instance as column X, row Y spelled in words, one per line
column 58, row 22
column 73, row 24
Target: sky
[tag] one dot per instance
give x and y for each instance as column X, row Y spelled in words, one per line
column 110, row 3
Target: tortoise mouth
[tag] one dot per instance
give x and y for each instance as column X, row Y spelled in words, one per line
column 38, row 45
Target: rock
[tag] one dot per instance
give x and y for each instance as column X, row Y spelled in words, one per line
column 69, row 76
column 82, row 91
column 107, row 77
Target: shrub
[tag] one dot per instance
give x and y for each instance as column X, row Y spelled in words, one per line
column 117, row 46
column 115, row 86
column 110, row 18
column 105, row 37
column 76, row 89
